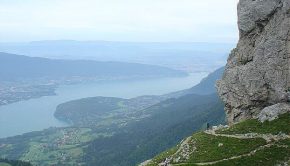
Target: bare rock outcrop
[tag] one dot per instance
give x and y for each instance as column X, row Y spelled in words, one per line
column 272, row 112
column 257, row 74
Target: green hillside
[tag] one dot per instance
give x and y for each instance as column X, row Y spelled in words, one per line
column 165, row 125
column 207, row 85
column 5, row 162
column 117, row 137
column 249, row 143
column 121, row 132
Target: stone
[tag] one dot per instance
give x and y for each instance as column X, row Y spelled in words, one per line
column 257, row 74
column 272, row 112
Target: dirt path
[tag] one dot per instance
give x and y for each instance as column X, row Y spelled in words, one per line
column 267, row 137
column 238, row 156
column 270, row 138
column 231, row 158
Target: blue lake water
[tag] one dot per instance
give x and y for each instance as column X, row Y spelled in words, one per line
column 37, row 114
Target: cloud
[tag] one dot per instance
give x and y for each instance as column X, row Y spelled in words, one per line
column 126, row 20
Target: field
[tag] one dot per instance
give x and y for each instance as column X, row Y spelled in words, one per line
column 62, row 145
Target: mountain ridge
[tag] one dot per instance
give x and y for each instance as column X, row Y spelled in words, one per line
column 36, row 67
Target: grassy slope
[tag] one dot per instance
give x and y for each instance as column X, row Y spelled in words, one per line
column 207, row 149
column 254, row 126
column 167, row 124
column 5, row 162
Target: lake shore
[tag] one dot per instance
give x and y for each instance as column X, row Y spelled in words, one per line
column 37, row 114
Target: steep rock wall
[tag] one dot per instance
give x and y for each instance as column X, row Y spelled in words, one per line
column 257, row 74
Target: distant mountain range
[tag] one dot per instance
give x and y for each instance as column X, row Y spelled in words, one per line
column 189, row 56
column 17, row 67
column 108, row 49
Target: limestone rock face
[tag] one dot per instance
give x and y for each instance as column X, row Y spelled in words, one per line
column 257, row 74
column 272, row 112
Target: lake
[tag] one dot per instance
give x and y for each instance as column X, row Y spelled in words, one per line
column 37, row 114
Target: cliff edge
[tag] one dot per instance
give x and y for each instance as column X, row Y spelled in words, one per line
column 257, row 73
column 255, row 88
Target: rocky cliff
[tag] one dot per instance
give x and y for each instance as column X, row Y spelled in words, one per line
column 255, row 88
column 257, row 74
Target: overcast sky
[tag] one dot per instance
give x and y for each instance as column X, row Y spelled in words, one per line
column 119, row 20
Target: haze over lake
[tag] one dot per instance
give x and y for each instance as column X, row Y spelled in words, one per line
column 37, row 114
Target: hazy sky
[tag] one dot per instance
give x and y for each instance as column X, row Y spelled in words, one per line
column 119, row 20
